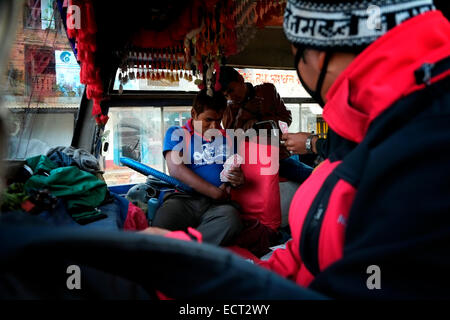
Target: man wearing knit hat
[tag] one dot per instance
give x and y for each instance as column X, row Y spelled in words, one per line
column 372, row 221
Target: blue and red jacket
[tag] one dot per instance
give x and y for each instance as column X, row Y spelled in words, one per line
column 383, row 196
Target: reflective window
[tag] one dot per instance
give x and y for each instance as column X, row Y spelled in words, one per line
column 144, row 83
column 286, row 81
column 311, row 116
column 41, row 14
column 296, row 116
column 137, row 133
column 43, row 89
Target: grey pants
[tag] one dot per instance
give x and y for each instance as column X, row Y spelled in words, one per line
column 218, row 222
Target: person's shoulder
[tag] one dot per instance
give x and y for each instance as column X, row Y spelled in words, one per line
column 176, row 131
column 173, row 129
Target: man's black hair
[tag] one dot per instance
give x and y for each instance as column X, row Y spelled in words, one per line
column 228, row 74
column 202, row 101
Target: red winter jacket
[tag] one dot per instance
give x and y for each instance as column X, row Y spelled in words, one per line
column 379, row 77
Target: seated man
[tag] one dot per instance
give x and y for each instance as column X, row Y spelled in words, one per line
column 195, row 155
column 250, row 104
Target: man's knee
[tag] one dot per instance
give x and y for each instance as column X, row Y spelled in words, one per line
column 163, row 219
column 235, row 221
column 230, row 219
column 170, row 216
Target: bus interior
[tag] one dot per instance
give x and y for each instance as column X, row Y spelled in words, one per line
column 110, row 78
column 49, row 106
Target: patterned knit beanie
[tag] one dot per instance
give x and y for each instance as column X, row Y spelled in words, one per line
column 348, row 25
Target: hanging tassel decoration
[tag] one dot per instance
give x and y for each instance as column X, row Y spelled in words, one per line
column 209, row 74
column 217, row 85
column 96, row 109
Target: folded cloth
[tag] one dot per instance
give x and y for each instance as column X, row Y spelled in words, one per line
column 82, row 191
column 78, row 157
column 61, row 159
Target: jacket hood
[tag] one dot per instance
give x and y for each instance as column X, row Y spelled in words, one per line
column 384, row 73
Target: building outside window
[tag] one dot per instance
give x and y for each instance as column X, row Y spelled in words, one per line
column 43, row 90
column 41, row 14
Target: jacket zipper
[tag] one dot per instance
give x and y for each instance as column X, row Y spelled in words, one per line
column 309, row 242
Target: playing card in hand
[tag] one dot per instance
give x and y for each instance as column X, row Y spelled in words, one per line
column 232, row 162
column 283, row 126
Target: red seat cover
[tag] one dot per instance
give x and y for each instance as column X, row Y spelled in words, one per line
column 260, row 195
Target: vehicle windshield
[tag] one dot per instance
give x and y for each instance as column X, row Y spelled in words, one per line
column 138, row 132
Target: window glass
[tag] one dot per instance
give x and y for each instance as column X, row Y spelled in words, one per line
column 43, row 90
column 137, row 133
column 311, row 115
column 176, row 116
column 134, row 133
column 153, row 85
column 286, row 81
column 296, row 117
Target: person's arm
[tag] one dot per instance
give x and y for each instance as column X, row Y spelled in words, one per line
column 296, row 142
column 282, row 113
column 175, row 143
column 179, row 171
column 398, row 231
column 284, row 261
column 248, row 114
column 271, row 106
column 321, row 147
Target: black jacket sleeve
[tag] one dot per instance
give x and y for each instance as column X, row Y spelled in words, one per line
column 322, row 147
column 400, row 219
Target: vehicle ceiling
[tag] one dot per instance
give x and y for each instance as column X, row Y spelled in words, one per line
column 117, row 24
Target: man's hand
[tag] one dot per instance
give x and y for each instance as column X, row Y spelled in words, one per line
column 189, row 177
column 236, row 177
column 155, row 231
column 296, row 142
column 222, row 193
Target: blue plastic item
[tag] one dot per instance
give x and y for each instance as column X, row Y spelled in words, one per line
column 146, row 170
column 153, row 204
